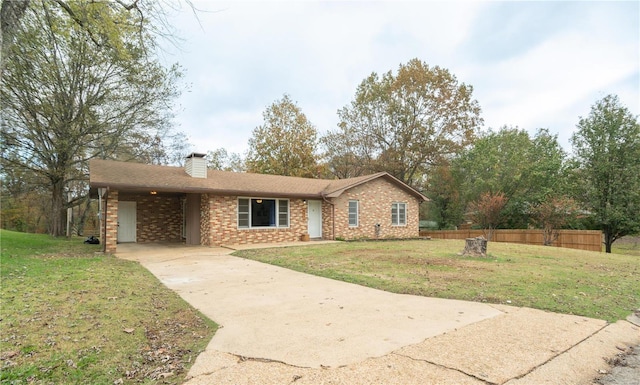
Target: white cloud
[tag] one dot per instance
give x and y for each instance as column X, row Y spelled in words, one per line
column 551, row 84
column 539, row 65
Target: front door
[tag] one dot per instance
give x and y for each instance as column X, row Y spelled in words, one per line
column 315, row 219
column 192, row 219
column 126, row 221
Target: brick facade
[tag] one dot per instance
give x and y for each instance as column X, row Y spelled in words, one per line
column 327, row 220
column 160, row 217
column 374, row 200
column 110, row 237
column 222, row 214
column 205, row 221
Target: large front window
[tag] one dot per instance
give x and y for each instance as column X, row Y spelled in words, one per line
column 261, row 212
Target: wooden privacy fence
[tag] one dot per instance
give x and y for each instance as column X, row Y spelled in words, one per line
column 573, row 239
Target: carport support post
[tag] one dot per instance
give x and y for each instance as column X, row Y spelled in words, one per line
column 101, row 216
column 111, row 222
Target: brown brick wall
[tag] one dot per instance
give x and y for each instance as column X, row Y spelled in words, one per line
column 205, row 219
column 110, row 237
column 375, row 199
column 327, row 220
column 222, row 216
column 159, row 218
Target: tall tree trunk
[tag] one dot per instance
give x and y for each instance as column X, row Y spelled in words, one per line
column 608, row 240
column 83, row 215
column 57, row 209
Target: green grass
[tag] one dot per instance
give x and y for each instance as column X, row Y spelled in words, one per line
column 598, row 285
column 628, row 245
column 70, row 315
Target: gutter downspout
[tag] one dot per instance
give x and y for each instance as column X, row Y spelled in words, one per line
column 333, row 217
column 104, row 219
column 100, row 215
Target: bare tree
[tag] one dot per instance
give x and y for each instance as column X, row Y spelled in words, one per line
column 146, row 16
column 64, row 100
column 220, row 159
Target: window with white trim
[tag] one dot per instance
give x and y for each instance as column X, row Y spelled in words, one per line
column 398, row 214
column 261, row 212
column 353, row 213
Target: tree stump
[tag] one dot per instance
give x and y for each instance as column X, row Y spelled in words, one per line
column 475, row 247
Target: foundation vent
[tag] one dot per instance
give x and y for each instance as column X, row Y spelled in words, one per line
column 196, row 165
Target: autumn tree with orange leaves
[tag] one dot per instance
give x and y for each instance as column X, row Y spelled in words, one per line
column 486, row 211
column 403, row 123
column 553, row 214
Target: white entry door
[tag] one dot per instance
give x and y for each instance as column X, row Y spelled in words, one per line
column 126, row 221
column 315, row 219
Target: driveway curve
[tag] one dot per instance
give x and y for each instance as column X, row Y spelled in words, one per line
column 301, row 326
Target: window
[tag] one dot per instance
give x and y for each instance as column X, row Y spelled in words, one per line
column 283, row 213
column 260, row 212
column 243, row 213
column 398, row 214
column 353, row 213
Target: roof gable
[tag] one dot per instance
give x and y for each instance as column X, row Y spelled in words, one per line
column 338, row 186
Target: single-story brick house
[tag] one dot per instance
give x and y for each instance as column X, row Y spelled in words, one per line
column 150, row 203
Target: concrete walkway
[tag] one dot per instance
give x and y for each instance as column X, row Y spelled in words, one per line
column 279, row 326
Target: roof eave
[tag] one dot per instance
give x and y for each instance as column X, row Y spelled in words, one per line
column 334, row 194
column 203, row 190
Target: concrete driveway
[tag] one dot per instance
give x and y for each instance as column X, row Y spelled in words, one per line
column 279, row 326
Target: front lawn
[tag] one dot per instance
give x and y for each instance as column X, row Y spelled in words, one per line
column 592, row 284
column 629, row 245
column 72, row 316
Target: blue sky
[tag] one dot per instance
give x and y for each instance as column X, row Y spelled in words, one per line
column 532, row 64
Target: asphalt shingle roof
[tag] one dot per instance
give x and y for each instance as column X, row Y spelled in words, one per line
column 144, row 177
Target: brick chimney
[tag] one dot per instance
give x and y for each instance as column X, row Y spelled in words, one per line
column 196, row 165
